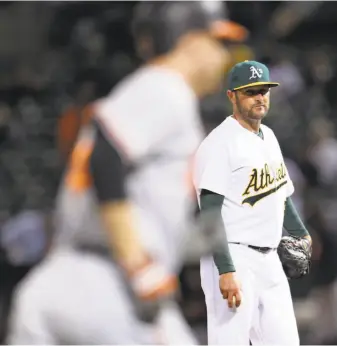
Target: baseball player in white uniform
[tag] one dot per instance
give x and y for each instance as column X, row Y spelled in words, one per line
column 239, row 167
column 126, row 201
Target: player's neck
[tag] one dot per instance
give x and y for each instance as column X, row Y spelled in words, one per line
column 249, row 124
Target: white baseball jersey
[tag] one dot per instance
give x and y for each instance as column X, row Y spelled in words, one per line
column 152, row 118
column 250, row 173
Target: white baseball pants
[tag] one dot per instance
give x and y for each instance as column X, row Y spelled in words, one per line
column 266, row 315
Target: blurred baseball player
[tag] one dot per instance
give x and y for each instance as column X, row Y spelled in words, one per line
column 240, row 169
column 125, row 203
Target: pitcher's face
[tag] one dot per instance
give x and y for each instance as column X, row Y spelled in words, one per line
column 252, row 102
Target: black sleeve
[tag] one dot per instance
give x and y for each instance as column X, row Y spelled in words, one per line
column 107, row 170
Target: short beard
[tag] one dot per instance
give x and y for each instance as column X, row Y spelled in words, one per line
column 248, row 115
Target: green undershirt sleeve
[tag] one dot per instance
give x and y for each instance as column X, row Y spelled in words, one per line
column 210, row 200
column 292, row 222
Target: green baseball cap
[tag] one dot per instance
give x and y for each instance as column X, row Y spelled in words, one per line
column 249, row 73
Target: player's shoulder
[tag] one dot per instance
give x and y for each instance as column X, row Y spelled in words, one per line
column 159, row 81
column 268, row 132
column 216, row 138
column 153, row 88
column 218, row 134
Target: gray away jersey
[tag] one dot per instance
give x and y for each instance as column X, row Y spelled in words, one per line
column 152, row 118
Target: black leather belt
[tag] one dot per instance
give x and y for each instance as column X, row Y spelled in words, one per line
column 258, row 248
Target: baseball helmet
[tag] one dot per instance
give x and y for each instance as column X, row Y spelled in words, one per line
column 158, row 25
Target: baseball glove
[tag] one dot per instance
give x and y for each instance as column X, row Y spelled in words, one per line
column 295, row 256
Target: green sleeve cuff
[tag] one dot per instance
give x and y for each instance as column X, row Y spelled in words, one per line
column 210, row 200
column 292, row 221
column 224, row 262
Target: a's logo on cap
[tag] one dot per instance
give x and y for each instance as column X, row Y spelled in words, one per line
column 256, row 73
